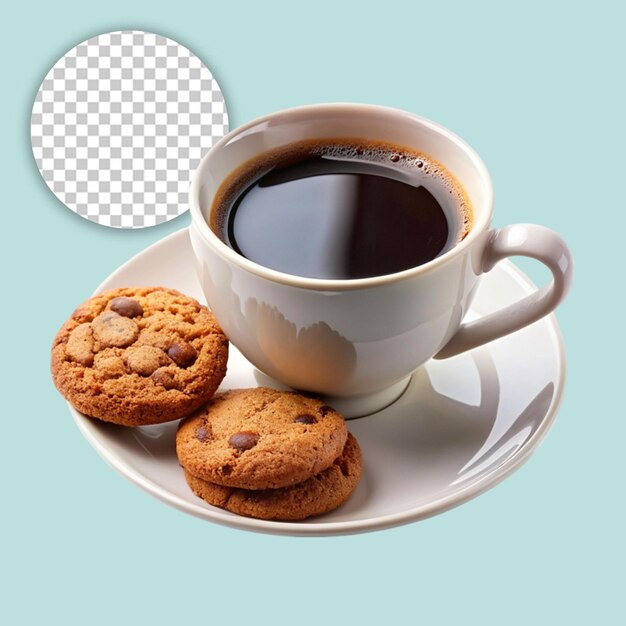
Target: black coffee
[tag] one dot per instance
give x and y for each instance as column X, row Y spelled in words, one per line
column 341, row 210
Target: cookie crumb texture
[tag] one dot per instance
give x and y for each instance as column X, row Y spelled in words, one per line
column 139, row 355
column 315, row 496
column 260, row 439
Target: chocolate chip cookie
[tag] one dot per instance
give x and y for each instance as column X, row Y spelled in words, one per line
column 260, row 439
column 139, row 355
column 320, row 494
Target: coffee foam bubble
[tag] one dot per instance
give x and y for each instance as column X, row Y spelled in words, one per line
column 366, row 150
column 400, row 157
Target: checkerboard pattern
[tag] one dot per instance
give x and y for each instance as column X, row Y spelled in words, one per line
column 121, row 122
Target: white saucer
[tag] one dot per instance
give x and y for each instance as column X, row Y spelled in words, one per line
column 462, row 425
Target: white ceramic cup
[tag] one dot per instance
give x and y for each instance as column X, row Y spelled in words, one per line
column 357, row 341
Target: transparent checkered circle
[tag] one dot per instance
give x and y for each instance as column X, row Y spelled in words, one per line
column 121, row 122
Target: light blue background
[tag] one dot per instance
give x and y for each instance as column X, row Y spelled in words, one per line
column 538, row 90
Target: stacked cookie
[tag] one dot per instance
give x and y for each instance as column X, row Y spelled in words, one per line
column 269, row 454
column 138, row 356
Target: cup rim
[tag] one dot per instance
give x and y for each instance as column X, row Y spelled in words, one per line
column 329, row 284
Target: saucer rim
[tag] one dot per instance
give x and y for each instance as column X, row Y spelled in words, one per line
column 88, row 429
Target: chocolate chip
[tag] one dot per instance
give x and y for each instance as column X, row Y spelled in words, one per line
column 182, row 353
column 305, row 419
column 165, row 378
column 202, row 433
column 127, row 307
column 243, row 440
column 325, row 410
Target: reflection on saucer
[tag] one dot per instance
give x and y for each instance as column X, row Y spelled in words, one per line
column 462, row 425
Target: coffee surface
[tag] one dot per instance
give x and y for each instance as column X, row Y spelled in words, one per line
column 342, row 211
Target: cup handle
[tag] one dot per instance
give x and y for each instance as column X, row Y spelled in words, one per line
column 530, row 240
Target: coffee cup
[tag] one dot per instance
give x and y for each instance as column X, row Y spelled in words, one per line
column 357, row 341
